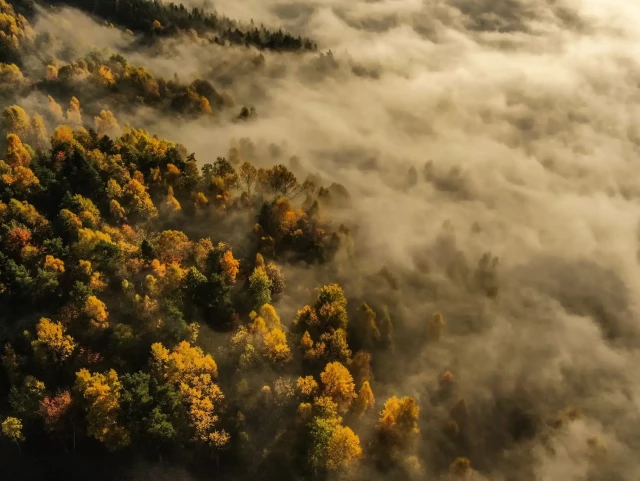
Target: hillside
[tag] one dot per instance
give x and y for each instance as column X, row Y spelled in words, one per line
column 229, row 251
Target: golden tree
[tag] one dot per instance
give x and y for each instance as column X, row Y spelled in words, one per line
column 73, row 112
column 397, row 428
column 51, row 341
column 365, row 401
column 12, row 430
column 172, row 246
column 16, row 154
column 106, row 123
column 102, row 395
column 15, row 120
column 230, row 267
column 307, row 385
column 343, row 449
column 54, row 109
column 38, row 135
column 338, row 384
column 193, row 373
column 97, row 311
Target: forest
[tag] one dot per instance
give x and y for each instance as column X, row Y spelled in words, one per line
column 166, row 315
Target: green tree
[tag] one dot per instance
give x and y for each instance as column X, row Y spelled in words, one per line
column 25, row 399
column 259, row 288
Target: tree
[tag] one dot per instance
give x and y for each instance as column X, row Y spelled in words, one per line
column 397, row 428
column 171, row 246
column 460, row 469
column 137, row 203
column 230, row 267
column 97, row 311
column 192, row 373
column 265, row 338
column 21, row 179
column 25, row 399
column 53, row 409
column 275, row 346
column 101, row 393
column 51, row 341
column 333, row 446
column 259, row 288
column 106, row 123
column 360, row 367
column 54, row 109
column 105, row 76
column 343, row 449
column 10, row 74
column 12, row 430
column 73, row 112
column 365, row 326
column 338, row 385
column 328, row 313
column 15, row 120
column 38, row 135
column 277, row 279
column 16, row 154
column 248, row 175
column 282, row 182
column 307, row 385
column 365, row 401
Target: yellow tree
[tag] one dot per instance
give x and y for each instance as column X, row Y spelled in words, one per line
column 265, row 337
column 16, row 154
column 97, row 312
column 12, row 430
column 53, row 264
column 365, row 401
column 136, row 201
column 201, row 250
column 51, row 341
column 24, row 178
column 338, row 385
column 38, row 135
column 343, row 449
column 54, row 109
column 73, row 112
column 101, row 393
column 397, row 428
column 105, row 76
column 172, row 246
column 171, row 203
column 307, row 385
column 51, row 73
column 334, row 446
column 106, row 123
column 10, row 73
column 62, row 135
column 193, row 373
column 15, row 120
column 230, row 267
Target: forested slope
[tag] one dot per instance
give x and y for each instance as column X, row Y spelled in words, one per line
column 162, row 313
